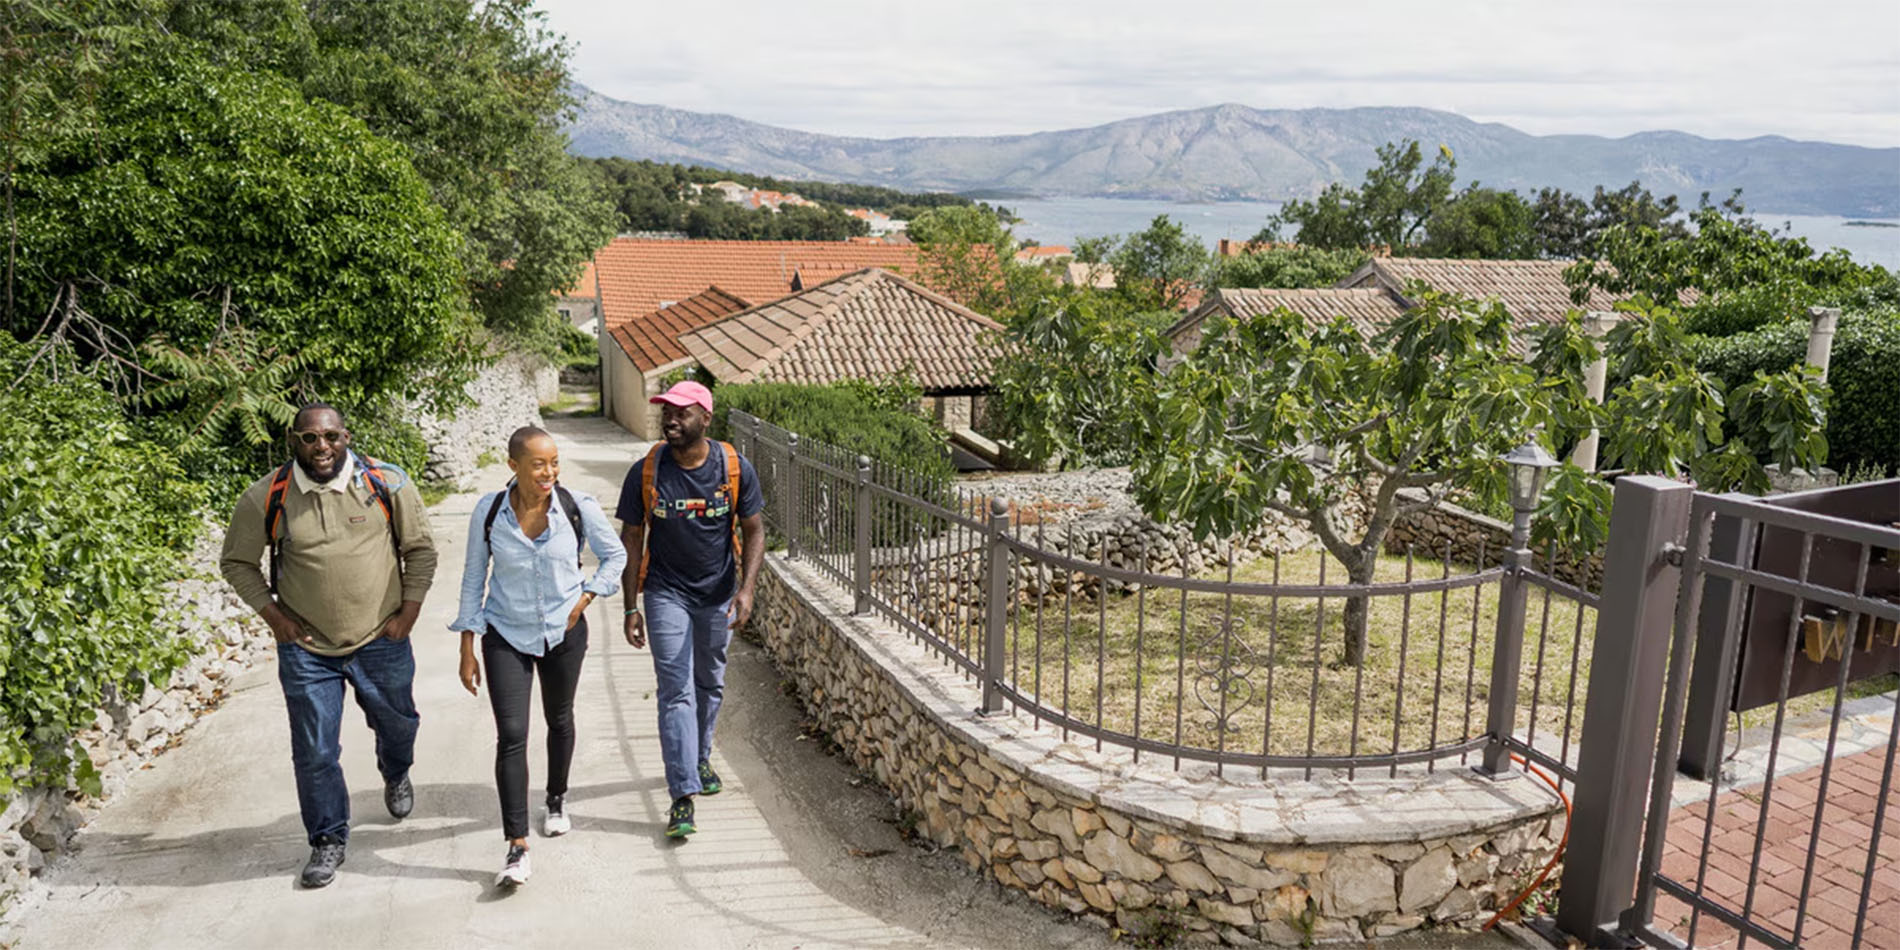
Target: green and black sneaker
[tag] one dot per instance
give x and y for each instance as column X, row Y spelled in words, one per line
column 708, row 779
column 679, row 819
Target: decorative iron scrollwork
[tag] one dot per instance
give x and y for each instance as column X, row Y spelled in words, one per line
column 1225, row 666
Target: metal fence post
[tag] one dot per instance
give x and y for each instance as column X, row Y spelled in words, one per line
column 996, row 607
column 1616, row 754
column 861, row 544
column 792, row 495
column 1507, row 649
column 1718, row 649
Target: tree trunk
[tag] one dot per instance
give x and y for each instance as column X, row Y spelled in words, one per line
column 1359, row 609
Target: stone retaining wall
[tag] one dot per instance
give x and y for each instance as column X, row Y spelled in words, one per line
column 225, row 637
column 1467, row 533
column 1231, row 858
column 505, row 397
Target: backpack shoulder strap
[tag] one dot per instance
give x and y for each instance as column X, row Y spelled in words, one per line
column 647, row 496
column 573, row 512
column 488, row 520
column 732, row 495
column 274, row 517
column 378, row 482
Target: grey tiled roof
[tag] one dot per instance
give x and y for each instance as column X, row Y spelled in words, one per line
column 1532, row 291
column 1369, row 308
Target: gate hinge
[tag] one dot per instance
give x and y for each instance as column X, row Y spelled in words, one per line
column 1673, row 552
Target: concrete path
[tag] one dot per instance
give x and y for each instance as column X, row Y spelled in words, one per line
column 203, row 849
column 799, row 851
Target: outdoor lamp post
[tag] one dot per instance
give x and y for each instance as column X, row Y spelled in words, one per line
column 1530, row 464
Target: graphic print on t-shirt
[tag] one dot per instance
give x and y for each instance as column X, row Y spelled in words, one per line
column 719, row 506
column 690, row 526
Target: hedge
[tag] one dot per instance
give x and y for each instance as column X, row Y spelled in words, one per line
column 881, row 422
column 1863, row 425
column 863, row 419
column 96, row 522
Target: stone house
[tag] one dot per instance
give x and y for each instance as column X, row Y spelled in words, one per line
column 639, row 282
column 868, row 324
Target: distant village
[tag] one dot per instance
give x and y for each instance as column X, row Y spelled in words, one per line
column 763, row 199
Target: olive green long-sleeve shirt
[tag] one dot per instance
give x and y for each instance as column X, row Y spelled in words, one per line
column 339, row 571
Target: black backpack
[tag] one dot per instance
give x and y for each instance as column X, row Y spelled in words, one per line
column 568, row 507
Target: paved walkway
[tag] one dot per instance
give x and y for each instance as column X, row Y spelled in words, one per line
column 1840, row 858
column 203, row 849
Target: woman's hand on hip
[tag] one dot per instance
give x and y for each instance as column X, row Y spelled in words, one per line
column 580, row 608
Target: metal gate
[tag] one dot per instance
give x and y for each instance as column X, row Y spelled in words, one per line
column 1770, row 606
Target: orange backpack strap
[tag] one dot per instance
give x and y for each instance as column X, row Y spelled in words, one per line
column 274, row 517
column 732, row 496
column 378, row 481
column 647, row 496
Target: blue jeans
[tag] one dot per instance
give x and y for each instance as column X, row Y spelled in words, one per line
column 382, row 671
column 689, row 661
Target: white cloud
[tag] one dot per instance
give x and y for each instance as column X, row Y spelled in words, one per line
column 1823, row 70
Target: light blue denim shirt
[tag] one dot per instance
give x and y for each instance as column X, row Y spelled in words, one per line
column 532, row 583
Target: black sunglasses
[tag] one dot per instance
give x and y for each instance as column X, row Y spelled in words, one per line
column 332, row 436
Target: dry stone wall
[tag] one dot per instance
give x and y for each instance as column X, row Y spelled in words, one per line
column 225, row 639
column 1227, row 858
column 506, row 396
column 1472, row 538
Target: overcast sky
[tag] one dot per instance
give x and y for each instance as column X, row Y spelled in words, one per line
column 1820, row 69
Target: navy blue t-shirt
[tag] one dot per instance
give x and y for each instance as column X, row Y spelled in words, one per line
column 689, row 537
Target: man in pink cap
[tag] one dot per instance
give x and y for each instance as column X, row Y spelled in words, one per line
column 692, row 519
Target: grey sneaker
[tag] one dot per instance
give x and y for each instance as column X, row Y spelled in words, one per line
column 400, row 798
column 514, row 872
column 325, row 857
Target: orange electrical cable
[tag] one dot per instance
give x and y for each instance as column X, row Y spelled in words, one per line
column 1561, row 844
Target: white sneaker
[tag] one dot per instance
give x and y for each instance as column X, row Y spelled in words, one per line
column 515, row 872
column 556, row 823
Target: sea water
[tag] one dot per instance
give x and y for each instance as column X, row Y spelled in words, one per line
column 1065, row 220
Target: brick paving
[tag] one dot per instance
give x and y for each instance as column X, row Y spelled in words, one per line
column 1840, row 862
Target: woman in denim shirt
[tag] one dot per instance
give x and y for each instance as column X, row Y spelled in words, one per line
column 523, row 549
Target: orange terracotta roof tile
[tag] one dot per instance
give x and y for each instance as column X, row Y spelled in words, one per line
column 1043, row 252
column 637, row 275
column 654, row 342
column 868, row 324
column 586, row 285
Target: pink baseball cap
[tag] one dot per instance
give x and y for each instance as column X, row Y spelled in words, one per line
column 686, row 393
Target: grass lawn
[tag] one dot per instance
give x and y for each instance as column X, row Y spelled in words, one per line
column 1167, row 668
column 1428, row 669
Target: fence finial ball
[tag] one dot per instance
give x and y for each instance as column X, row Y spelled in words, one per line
column 864, row 462
column 999, row 507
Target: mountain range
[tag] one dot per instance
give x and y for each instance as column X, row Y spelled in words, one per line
column 1237, row 152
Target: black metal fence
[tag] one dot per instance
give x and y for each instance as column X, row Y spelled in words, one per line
column 1226, row 656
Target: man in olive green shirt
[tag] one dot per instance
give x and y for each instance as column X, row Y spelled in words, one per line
column 352, row 561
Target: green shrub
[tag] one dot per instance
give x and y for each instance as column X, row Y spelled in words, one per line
column 837, row 423
column 1293, row 266
column 96, row 520
column 391, row 438
column 258, row 248
column 1863, row 426
column 862, row 419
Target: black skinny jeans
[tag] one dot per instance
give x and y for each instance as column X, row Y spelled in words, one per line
column 510, row 689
